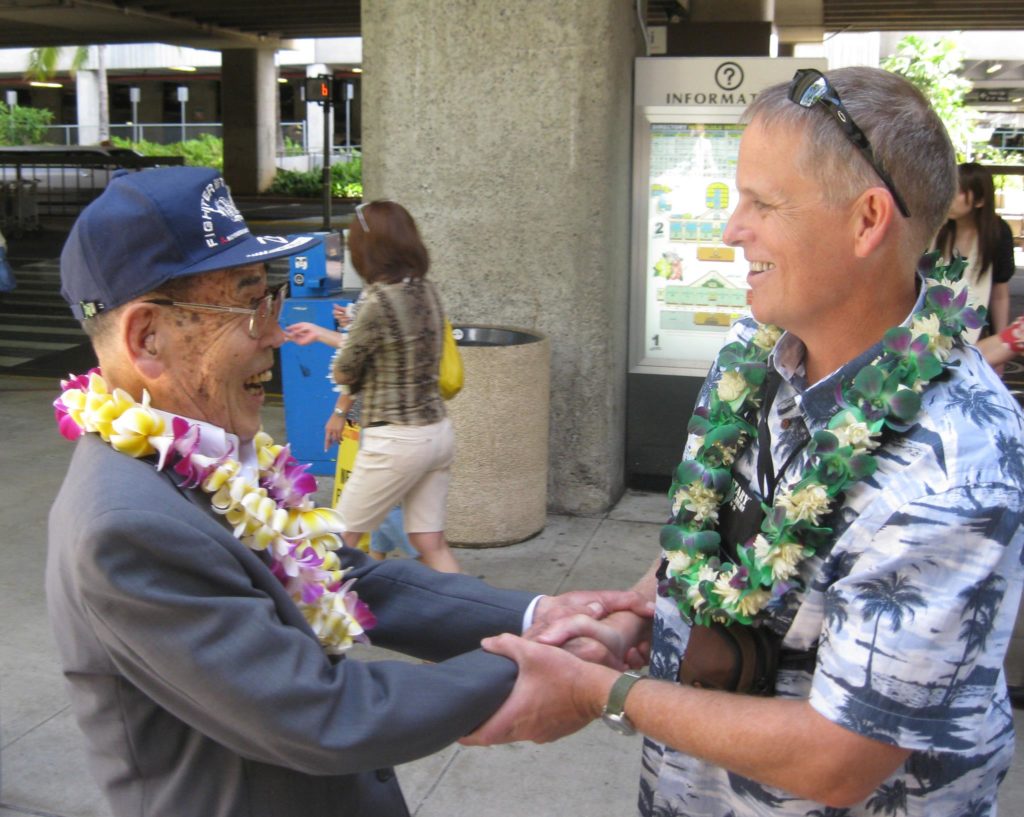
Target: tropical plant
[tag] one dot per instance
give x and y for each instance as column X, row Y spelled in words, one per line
column 932, row 66
column 23, row 126
column 42, row 67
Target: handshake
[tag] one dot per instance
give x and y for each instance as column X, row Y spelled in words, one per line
column 568, row 660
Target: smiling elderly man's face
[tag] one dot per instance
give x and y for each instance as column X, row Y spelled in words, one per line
column 215, row 369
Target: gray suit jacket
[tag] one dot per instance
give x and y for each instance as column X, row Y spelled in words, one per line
column 198, row 684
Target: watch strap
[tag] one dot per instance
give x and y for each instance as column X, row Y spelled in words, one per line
column 620, row 689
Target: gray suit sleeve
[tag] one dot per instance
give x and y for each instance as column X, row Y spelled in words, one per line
column 184, row 621
column 414, row 606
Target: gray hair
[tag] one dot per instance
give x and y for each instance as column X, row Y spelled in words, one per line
column 907, row 137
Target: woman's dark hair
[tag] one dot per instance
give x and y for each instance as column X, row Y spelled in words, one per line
column 975, row 180
column 389, row 248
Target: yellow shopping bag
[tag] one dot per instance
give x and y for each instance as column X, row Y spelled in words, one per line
column 348, row 447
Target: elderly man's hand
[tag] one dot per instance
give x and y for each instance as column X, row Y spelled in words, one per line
column 592, row 603
column 610, row 627
column 555, row 694
column 620, row 641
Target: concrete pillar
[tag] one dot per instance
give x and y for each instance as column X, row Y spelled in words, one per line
column 506, row 131
column 87, row 100
column 249, row 111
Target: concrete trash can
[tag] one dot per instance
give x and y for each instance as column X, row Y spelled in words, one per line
column 498, row 493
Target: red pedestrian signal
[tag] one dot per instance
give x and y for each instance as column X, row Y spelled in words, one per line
column 319, row 89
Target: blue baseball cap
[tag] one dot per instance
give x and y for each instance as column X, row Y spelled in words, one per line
column 153, row 225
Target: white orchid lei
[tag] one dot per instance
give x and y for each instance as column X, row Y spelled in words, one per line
column 704, row 582
column 273, row 514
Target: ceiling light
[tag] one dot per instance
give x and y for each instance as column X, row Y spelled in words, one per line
column 282, row 80
column 1017, row 99
column 188, row 68
column 996, row 66
column 47, row 84
column 357, row 70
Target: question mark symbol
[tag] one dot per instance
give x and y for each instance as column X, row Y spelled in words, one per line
column 729, row 76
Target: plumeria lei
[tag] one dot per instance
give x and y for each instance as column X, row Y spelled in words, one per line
column 704, row 582
column 274, row 514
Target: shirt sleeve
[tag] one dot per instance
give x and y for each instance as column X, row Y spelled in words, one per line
column 363, row 340
column 914, row 636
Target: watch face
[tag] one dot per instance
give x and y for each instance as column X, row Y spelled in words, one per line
column 620, row 723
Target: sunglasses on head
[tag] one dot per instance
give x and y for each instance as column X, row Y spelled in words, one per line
column 807, row 89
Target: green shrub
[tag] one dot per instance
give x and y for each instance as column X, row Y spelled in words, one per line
column 346, row 181
column 206, row 151
column 23, row 126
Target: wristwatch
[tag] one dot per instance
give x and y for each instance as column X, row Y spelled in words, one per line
column 613, row 713
column 340, row 412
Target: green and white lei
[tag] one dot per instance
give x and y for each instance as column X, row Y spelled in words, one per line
column 706, row 583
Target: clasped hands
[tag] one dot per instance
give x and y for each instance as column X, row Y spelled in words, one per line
column 578, row 644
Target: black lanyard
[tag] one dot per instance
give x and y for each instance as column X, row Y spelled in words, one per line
column 767, row 479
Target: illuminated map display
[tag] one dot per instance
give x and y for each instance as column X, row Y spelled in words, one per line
column 695, row 284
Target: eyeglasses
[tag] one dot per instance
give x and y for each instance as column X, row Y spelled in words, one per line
column 807, row 89
column 261, row 316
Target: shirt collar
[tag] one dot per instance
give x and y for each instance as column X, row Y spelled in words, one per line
column 215, row 442
column 818, row 400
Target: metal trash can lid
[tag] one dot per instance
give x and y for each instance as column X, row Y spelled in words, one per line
column 467, row 335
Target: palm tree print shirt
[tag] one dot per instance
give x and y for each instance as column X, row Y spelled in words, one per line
column 910, row 609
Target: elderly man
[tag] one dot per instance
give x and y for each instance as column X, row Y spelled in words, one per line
column 199, row 601
column 842, row 568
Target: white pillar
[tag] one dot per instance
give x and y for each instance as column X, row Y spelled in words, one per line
column 87, row 93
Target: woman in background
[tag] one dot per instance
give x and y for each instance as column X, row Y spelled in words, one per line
column 391, row 359
column 975, row 232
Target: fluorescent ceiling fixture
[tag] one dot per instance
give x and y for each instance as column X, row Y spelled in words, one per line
column 182, row 67
column 357, row 70
column 1017, row 99
column 996, row 66
column 282, row 80
column 47, row 84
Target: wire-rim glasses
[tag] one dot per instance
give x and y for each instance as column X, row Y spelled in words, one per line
column 261, row 316
column 807, row 89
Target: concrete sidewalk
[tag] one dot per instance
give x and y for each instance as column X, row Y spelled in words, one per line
column 42, row 760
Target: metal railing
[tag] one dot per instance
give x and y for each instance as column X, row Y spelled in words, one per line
column 56, row 180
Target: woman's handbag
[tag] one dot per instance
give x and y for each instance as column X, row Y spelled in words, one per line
column 449, row 378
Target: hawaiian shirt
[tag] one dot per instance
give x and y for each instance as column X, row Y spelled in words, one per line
column 910, row 608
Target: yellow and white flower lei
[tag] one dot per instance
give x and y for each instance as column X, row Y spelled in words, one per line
column 301, row 539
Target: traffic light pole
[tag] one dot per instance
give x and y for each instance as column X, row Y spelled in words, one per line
column 326, row 170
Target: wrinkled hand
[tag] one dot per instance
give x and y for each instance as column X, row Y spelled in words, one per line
column 620, row 641
column 303, row 333
column 592, row 603
column 332, row 430
column 577, row 613
column 555, row 694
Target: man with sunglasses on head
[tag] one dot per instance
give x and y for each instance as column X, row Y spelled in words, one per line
column 200, row 604
column 843, row 566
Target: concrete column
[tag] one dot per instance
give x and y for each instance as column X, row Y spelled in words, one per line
column 249, row 110
column 506, row 131
column 87, row 100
